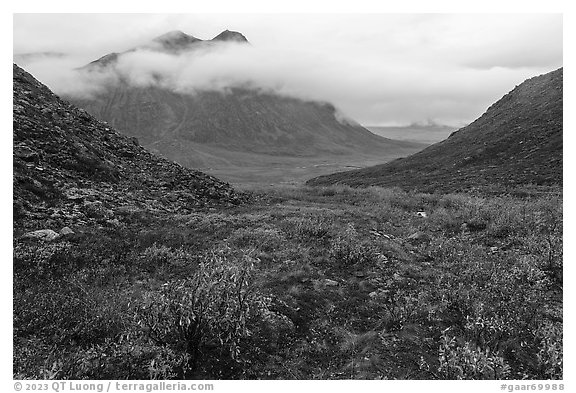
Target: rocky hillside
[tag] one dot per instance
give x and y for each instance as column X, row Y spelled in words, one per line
column 518, row 141
column 210, row 128
column 70, row 168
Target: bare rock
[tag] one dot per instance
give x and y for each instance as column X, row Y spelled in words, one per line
column 96, row 210
column 66, row 231
column 46, row 235
column 26, row 153
column 419, row 238
column 330, row 283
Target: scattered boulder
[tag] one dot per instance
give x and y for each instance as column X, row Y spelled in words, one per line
column 114, row 222
column 96, row 210
column 382, row 293
column 26, row 154
column 47, row 235
column 382, row 260
column 66, row 231
column 419, row 238
column 127, row 210
column 330, row 283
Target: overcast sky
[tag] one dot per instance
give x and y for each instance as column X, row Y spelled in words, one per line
column 379, row 69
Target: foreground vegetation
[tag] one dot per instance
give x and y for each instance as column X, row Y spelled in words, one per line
column 302, row 283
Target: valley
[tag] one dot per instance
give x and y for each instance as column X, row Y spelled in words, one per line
column 288, row 170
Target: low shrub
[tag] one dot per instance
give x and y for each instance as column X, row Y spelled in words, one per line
column 464, row 361
column 207, row 312
column 265, row 238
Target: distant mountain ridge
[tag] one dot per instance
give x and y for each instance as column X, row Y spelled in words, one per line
column 183, row 127
column 517, row 141
column 421, row 133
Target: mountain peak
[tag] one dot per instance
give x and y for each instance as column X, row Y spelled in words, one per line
column 173, row 35
column 228, row 35
column 175, row 39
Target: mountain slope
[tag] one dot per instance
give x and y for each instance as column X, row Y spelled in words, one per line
column 225, row 123
column 518, row 141
column 67, row 164
column 239, row 120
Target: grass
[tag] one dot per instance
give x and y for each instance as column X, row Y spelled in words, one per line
column 305, row 282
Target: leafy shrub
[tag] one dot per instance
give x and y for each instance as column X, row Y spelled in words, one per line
column 400, row 307
column 108, row 360
column 467, row 362
column 42, row 260
column 69, row 312
column 203, row 313
column 550, row 359
column 496, row 302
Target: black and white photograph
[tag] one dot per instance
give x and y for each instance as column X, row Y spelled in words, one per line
column 287, row 196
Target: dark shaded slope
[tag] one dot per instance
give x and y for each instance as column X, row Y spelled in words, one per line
column 238, row 120
column 66, row 163
column 518, row 141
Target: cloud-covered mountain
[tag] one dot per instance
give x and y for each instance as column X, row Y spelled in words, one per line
column 154, row 93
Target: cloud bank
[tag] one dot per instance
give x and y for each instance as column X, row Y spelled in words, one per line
column 410, row 69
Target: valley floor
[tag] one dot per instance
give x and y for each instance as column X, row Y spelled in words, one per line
column 300, row 283
column 267, row 170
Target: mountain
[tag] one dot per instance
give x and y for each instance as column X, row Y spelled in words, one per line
column 517, row 141
column 71, row 169
column 241, row 120
column 240, row 126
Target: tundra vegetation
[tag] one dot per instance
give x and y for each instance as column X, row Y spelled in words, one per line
column 300, row 282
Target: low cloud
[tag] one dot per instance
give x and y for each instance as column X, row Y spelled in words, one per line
column 377, row 77
column 61, row 75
